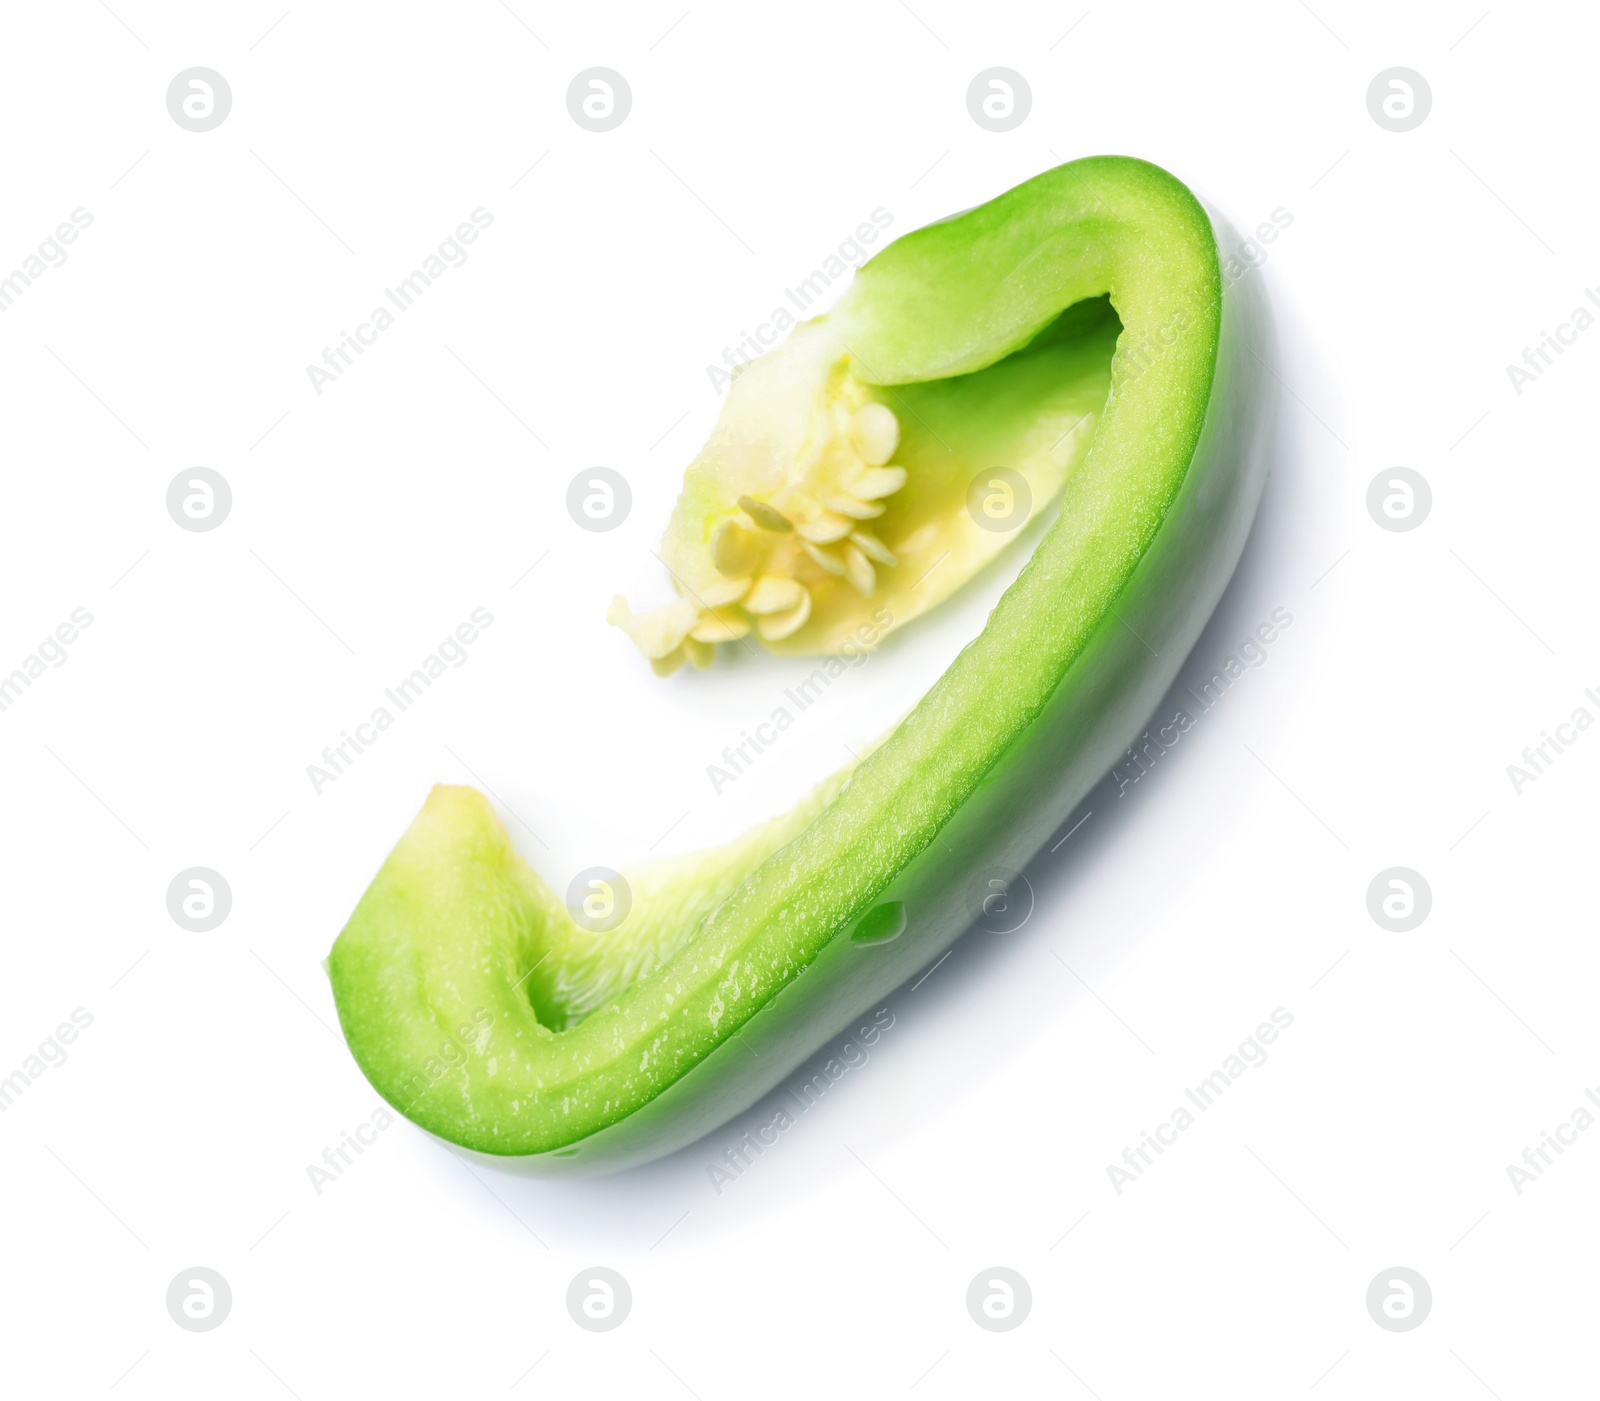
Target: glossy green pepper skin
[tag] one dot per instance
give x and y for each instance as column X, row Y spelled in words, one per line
column 441, row 973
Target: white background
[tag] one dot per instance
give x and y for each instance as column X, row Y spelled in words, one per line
column 429, row 480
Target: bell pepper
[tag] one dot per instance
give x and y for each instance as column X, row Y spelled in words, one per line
column 476, row 1003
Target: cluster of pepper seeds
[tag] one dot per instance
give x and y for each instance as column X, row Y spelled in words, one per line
column 768, row 555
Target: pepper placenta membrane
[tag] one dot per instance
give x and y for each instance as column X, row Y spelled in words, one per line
column 1075, row 330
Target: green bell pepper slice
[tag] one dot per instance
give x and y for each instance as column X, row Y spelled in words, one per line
column 478, row 1007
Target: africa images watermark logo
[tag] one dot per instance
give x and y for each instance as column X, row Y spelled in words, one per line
column 52, row 1054
column 1536, row 1159
column 1249, row 655
column 469, row 1039
column 1251, row 1054
column 337, row 1158
column 337, row 758
column 1537, row 758
column 798, row 1098
column 1541, row 356
column 751, row 345
column 51, row 253
column 451, row 252
column 738, row 758
column 52, row 650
